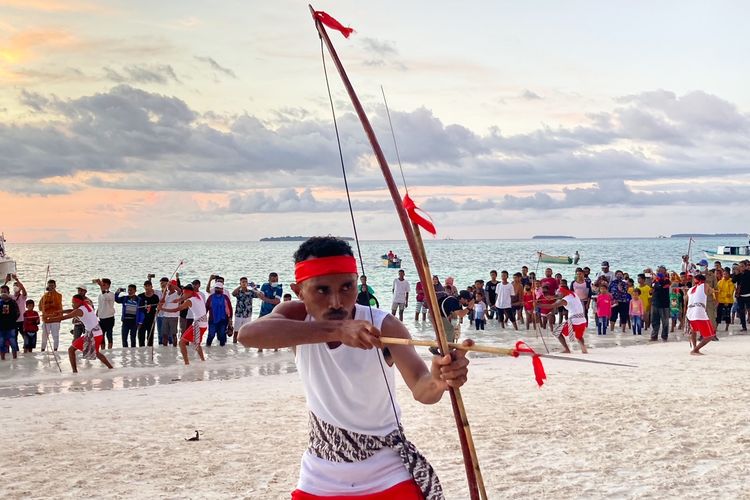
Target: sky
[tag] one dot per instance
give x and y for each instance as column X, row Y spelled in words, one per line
column 199, row 121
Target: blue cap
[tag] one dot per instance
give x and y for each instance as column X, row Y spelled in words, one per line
column 703, row 262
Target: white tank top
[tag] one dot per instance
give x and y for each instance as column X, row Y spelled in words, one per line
column 575, row 309
column 697, row 303
column 90, row 320
column 198, row 310
column 345, row 387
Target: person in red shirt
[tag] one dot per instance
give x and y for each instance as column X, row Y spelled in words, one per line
column 421, row 306
column 30, row 326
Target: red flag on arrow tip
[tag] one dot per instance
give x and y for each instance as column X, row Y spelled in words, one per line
column 333, row 23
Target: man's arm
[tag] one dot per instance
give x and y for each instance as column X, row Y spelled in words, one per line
column 286, row 327
column 427, row 385
column 236, row 292
column 62, row 316
column 21, row 288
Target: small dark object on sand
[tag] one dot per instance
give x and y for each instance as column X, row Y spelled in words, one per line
column 194, row 438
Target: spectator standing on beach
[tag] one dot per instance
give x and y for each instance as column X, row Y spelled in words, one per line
column 105, row 311
column 605, row 273
column 660, row 304
column 491, row 289
column 516, row 302
column 50, row 306
column 452, row 308
column 550, row 281
column 636, row 312
column 219, row 309
column 19, row 295
column 504, row 303
column 271, row 294
column 480, row 311
column 645, row 290
column 582, row 288
column 364, row 298
column 129, row 318
column 370, row 290
column 161, row 293
column 243, row 309
column 400, row 291
column 603, row 309
column 725, row 291
column 8, row 316
column 742, row 280
column 31, row 322
column 147, row 302
column 620, row 301
column 526, row 278
column 420, row 305
column 171, row 318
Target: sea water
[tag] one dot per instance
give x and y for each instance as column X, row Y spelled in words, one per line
column 466, row 260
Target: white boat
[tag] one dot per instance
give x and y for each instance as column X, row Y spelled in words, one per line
column 729, row 253
column 7, row 265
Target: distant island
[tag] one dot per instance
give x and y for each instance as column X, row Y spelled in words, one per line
column 714, row 235
column 551, row 237
column 298, row 238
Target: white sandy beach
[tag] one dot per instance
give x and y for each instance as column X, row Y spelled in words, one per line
column 675, row 427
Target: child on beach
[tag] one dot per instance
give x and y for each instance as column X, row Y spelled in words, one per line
column 528, row 306
column 675, row 304
column 636, row 312
column 603, row 309
column 480, row 311
column 30, row 326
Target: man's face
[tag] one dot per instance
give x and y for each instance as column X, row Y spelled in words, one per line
column 131, row 290
column 149, row 288
column 401, row 275
column 605, row 269
column 272, row 278
column 363, row 280
column 82, row 292
column 524, row 270
column 504, row 276
column 163, row 284
column 641, row 280
column 717, row 265
column 243, row 284
column 517, row 279
column 579, row 274
column 493, row 276
column 330, row 297
column 618, row 276
column 726, row 275
column 548, row 272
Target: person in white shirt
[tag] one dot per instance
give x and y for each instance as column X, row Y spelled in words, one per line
column 105, row 310
column 92, row 338
column 194, row 334
column 357, row 447
column 504, row 301
column 170, row 318
column 400, row 295
column 697, row 315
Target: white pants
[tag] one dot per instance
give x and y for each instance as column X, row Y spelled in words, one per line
column 238, row 322
column 52, row 329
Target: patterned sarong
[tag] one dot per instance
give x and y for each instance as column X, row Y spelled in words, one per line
column 89, row 344
column 340, row 445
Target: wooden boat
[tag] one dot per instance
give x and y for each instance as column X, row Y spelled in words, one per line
column 729, row 253
column 554, row 259
column 393, row 263
column 7, row 265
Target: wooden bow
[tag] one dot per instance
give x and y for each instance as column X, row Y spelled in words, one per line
column 416, row 246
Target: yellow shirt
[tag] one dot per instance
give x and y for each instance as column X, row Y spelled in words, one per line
column 645, row 296
column 726, row 291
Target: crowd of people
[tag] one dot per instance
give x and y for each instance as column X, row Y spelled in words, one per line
column 173, row 314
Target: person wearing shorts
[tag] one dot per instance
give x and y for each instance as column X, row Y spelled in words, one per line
column 191, row 300
column 697, row 316
column 421, row 305
column 400, row 295
column 576, row 317
column 91, row 339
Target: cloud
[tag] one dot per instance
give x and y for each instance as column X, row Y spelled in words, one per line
column 528, row 95
column 128, row 138
column 292, row 200
column 217, row 67
column 51, row 5
column 157, row 73
column 380, row 53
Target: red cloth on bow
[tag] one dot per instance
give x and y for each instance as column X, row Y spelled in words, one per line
column 536, row 361
column 333, row 23
column 417, row 218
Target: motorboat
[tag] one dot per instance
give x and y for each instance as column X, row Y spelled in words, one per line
column 7, row 265
column 729, row 253
column 554, row 259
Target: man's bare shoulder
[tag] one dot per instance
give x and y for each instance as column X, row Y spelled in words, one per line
column 392, row 327
column 293, row 309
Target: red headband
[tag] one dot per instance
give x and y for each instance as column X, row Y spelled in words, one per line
column 80, row 303
column 322, row 266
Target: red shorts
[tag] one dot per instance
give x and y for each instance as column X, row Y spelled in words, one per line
column 704, row 327
column 408, row 490
column 190, row 336
column 78, row 343
column 578, row 330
